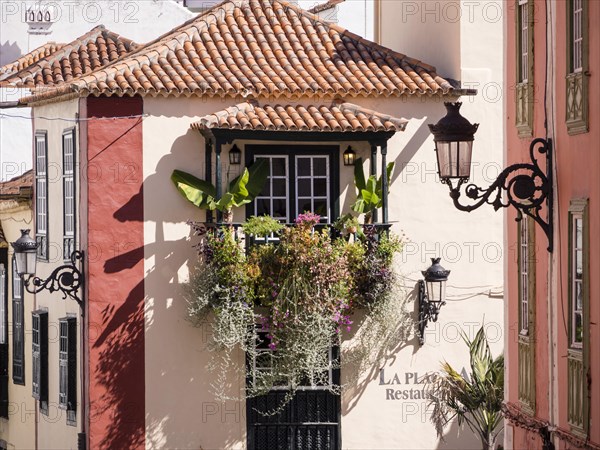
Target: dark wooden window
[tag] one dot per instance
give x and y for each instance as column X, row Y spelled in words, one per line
column 3, row 340
column 578, row 354
column 41, row 193
column 577, row 103
column 526, row 346
column 68, row 145
column 67, row 366
column 301, row 178
column 18, row 362
column 524, row 76
column 39, row 360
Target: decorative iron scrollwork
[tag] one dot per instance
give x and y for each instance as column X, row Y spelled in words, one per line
column 66, row 279
column 525, row 186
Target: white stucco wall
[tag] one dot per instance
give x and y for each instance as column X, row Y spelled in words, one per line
column 52, row 430
column 419, row 207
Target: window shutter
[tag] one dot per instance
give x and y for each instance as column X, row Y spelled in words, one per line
column 18, row 362
column 68, row 146
column 67, row 393
column 41, row 193
column 40, row 358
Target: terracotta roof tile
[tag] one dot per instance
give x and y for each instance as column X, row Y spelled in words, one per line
column 17, row 187
column 337, row 117
column 257, row 48
column 324, row 6
column 63, row 63
column 30, row 58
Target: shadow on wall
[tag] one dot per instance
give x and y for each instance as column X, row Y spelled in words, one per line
column 9, row 52
column 459, row 438
column 180, row 410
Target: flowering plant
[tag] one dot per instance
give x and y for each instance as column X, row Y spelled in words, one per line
column 294, row 299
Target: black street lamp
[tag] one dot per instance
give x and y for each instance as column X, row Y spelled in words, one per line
column 432, row 295
column 66, row 279
column 527, row 187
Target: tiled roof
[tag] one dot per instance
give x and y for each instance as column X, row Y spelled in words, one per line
column 325, row 6
column 256, row 48
column 337, row 117
column 30, row 58
column 17, row 187
column 85, row 54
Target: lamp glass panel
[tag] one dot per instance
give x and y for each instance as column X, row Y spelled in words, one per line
column 454, row 158
column 20, row 262
column 436, row 291
column 31, row 258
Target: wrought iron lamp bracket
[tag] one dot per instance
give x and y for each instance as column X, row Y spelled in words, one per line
column 66, row 279
column 428, row 311
column 526, row 185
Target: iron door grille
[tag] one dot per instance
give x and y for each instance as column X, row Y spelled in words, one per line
column 311, row 420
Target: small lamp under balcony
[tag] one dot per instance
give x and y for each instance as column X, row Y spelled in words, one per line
column 349, row 156
column 235, row 156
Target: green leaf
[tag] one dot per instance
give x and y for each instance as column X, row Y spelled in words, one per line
column 359, row 174
column 197, row 191
column 259, row 172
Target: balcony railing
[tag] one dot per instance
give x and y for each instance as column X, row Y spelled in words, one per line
column 202, row 228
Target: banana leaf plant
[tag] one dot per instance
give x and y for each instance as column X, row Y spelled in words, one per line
column 475, row 399
column 241, row 191
column 370, row 196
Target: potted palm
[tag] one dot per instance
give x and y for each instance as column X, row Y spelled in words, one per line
column 369, row 190
column 475, row 399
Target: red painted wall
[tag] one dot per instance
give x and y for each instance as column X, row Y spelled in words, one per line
column 577, row 168
column 116, row 273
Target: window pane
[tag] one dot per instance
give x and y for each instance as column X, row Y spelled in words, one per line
column 321, row 208
column 263, row 206
column 278, row 167
column 305, row 206
column 578, row 338
column 303, row 167
column 279, row 209
column 304, row 187
column 320, row 187
column 578, row 296
column 266, row 190
column 320, row 167
column 279, row 187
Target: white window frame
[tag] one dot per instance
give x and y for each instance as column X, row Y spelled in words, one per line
column 326, row 177
column 523, row 15
column 577, row 255
column 576, row 38
column 41, row 193
column 69, row 202
column 18, row 314
column 524, row 274
column 286, row 177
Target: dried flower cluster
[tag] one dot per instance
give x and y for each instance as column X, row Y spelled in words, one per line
column 286, row 304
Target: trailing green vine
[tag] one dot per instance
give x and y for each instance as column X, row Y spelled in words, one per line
column 285, row 304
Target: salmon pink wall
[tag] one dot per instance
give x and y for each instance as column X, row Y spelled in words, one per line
column 576, row 159
column 116, row 273
column 578, row 165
